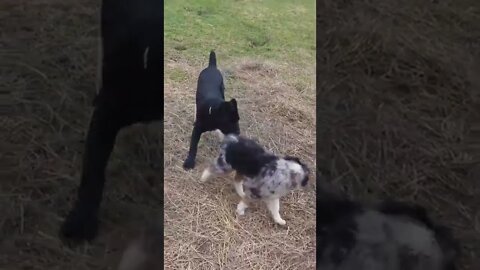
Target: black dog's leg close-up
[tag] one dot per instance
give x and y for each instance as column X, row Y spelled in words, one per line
column 82, row 222
column 192, row 153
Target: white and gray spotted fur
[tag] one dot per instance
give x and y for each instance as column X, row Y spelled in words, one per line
column 387, row 242
column 275, row 180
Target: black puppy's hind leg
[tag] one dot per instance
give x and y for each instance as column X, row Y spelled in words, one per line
column 192, row 153
column 81, row 223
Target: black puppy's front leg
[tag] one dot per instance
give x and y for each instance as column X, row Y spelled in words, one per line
column 82, row 223
column 192, row 153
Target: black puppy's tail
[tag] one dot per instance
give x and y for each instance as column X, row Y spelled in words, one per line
column 212, row 62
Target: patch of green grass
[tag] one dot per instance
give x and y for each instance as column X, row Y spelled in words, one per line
column 282, row 30
column 233, row 83
column 178, row 75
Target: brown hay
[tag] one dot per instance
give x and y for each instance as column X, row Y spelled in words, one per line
column 395, row 103
column 48, row 53
column 47, row 73
column 201, row 228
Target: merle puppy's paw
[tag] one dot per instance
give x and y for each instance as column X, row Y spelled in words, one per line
column 189, row 164
column 79, row 226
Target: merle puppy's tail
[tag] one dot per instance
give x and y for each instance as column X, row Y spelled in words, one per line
column 212, row 62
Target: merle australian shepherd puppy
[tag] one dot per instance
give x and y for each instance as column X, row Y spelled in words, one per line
column 388, row 235
column 259, row 174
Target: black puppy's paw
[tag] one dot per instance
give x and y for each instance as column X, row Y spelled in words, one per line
column 189, row 164
column 79, row 226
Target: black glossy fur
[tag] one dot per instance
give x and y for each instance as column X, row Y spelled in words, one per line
column 131, row 92
column 247, row 157
column 338, row 232
column 212, row 111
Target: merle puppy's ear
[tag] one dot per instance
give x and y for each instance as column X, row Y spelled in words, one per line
column 415, row 211
column 297, row 160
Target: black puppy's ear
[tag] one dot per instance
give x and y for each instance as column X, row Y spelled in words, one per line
column 233, row 105
column 224, row 107
column 234, row 110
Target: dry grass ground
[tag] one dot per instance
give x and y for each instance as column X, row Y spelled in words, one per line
column 270, row 70
column 201, row 228
column 397, row 103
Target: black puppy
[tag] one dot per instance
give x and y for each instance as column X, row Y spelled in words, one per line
column 131, row 91
column 212, row 111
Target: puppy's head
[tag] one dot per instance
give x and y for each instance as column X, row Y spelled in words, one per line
column 299, row 171
column 228, row 117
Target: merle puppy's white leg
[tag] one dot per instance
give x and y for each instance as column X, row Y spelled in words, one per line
column 207, row 173
column 238, row 184
column 241, row 207
column 219, row 167
column 239, row 188
column 274, row 206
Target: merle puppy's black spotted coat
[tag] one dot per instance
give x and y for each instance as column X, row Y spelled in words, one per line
column 387, row 236
column 212, row 111
column 260, row 174
column 131, row 91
